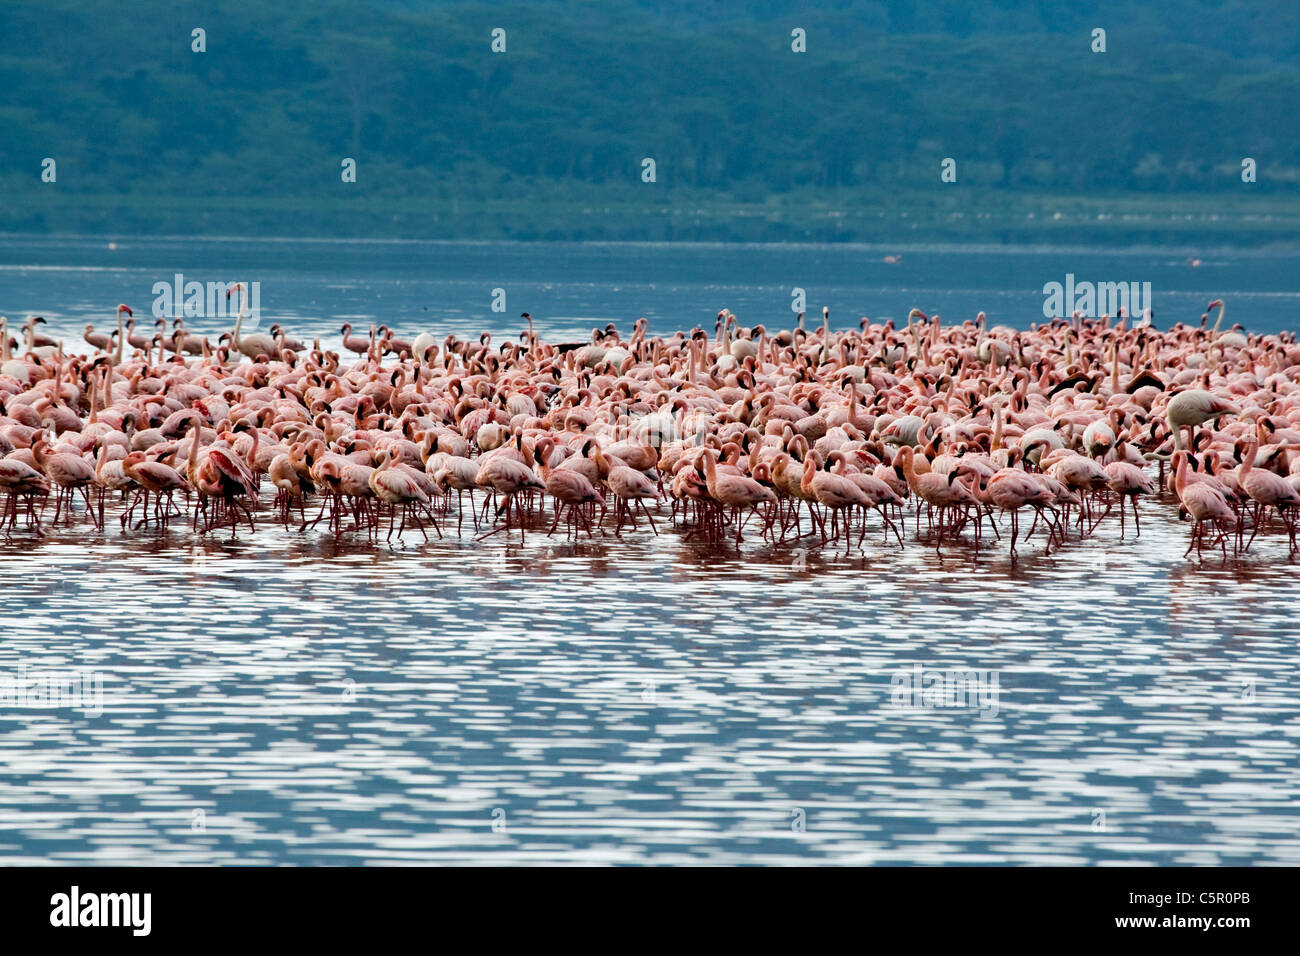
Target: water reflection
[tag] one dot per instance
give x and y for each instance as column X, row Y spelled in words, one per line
column 290, row 698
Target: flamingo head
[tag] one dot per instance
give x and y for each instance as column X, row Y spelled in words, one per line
column 1214, row 305
column 125, row 308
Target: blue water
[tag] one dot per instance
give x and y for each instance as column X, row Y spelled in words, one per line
column 444, row 288
column 290, row 699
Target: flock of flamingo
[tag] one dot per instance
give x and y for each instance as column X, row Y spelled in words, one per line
column 802, row 435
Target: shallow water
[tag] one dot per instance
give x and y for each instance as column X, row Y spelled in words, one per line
column 285, row 698
column 647, row 699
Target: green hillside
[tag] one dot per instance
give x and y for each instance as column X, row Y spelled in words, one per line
column 750, row 140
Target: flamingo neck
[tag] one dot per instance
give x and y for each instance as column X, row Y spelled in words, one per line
column 192, row 463
column 710, row 473
column 809, row 469
column 1180, row 475
column 909, row 468
column 1248, row 460
column 1178, row 436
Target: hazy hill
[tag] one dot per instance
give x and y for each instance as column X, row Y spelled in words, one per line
column 749, row 139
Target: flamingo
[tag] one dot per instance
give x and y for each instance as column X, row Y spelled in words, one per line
column 256, row 344
column 424, row 348
column 288, row 480
column 137, row 340
column 736, row 492
column 97, row 340
column 1267, row 490
column 1193, row 407
column 455, row 473
column 940, row 492
column 153, row 477
column 17, row 478
column 398, row 488
column 355, row 343
column 630, row 488
column 507, row 477
column 635, row 417
column 834, row 492
column 1127, row 481
column 68, row 472
column 1010, row 490
column 1201, row 501
column 572, row 492
column 284, row 340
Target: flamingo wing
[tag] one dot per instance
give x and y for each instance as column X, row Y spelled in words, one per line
column 233, row 470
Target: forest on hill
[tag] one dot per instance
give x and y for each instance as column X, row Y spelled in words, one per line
column 749, row 139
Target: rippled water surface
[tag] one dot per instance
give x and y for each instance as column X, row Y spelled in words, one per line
column 288, row 698
column 284, row 698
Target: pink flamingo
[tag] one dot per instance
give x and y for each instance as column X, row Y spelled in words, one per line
column 153, row 477
column 733, row 491
column 631, row 489
column 68, row 472
column 1202, row 502
column 1127, row 481
column 398, row 488
column 1267, row 490
column 507, row 477
column 571, row 491
column 1010, row 489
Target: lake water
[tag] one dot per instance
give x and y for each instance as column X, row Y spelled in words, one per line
column 286, row 698
column 313, row 287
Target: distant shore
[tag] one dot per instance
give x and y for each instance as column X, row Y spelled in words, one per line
column 958, row 214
